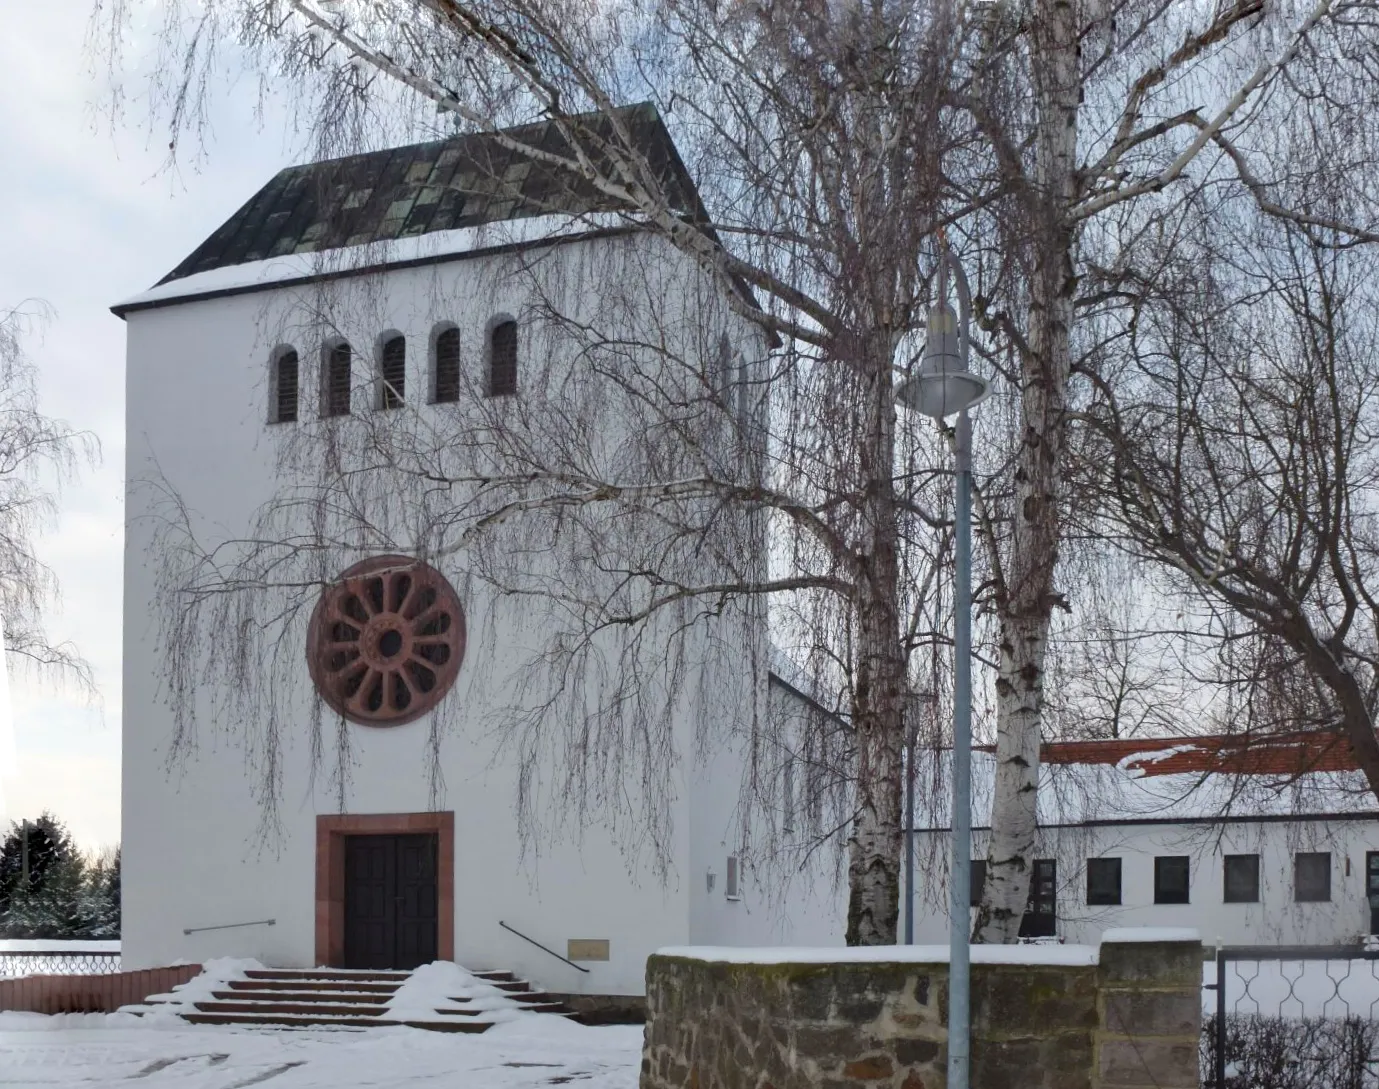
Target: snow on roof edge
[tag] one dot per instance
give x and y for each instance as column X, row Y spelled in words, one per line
column 1063, row 955
column 1134, row 935
column 257, row 275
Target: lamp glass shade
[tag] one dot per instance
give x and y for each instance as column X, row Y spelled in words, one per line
column 941, row 386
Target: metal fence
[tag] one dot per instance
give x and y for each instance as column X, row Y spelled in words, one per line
column 58, row 962
column 1292, row 1017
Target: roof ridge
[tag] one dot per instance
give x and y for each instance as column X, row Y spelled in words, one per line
column 631, row 109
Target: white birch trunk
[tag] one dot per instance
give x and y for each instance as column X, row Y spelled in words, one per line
column 1028, row 597
column 874, row 848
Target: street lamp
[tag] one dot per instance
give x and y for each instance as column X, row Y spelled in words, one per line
column 944, row 385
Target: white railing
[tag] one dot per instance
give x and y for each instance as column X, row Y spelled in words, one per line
column 75, row 961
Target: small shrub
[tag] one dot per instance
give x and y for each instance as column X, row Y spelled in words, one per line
column 1293, row 1053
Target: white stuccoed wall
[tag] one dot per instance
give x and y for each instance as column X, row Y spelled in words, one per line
column 780, row 903
column 196, row 852
column 1276, row 920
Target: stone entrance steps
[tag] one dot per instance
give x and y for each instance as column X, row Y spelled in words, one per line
column 313, row 997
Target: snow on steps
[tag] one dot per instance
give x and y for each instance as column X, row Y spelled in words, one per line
column 442, row 997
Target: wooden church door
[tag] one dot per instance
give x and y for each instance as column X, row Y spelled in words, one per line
column 391, row 901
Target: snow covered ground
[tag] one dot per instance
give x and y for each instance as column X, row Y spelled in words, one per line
column 530, row 1052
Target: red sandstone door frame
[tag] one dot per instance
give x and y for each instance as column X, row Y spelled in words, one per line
column 331, row 831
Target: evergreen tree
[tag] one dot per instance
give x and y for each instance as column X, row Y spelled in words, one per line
column 114, row 903
column 101, row 898
column 46, row 842
column 55, row 909
column 67, row 896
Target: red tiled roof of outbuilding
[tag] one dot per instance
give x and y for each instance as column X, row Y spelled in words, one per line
column 1242, row 754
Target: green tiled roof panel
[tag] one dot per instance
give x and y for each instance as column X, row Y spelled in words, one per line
column 400, row 192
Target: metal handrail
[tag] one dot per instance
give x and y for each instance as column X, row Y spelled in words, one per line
column 543, row 949
column 228, row 926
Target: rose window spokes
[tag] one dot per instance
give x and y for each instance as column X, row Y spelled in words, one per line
column 386, row 641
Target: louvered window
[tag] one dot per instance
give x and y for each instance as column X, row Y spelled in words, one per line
column 285, row 376
column 392, row 374
column 448, row 366
column 502, row 359
column 335, row 392
column 787, row 825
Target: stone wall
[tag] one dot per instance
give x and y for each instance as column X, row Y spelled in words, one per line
column 605, row 1009
column 103, row 993
column 1125, row 1018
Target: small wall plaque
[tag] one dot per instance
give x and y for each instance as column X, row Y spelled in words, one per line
column 587, row 949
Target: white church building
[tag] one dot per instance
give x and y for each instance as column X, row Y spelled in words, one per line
column 399, row 305
column 369, row 769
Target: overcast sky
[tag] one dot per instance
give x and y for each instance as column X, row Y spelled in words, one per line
column 90, row 216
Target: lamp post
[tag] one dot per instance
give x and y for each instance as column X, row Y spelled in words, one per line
column 910, row 832
column 944, row 385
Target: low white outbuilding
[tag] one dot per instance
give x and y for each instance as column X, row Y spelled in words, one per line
column 1251, row 841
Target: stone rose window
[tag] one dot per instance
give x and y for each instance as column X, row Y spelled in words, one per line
column 386, row 641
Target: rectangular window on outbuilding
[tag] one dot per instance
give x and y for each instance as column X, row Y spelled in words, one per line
column 447, row 389
column 1171, row 874
column 285, row 388
column 392, row 373
column 974, row 893
column 1240, row 874
column 1312, row 877
column 1103, row 882
column 335, row 387
column 731, row 879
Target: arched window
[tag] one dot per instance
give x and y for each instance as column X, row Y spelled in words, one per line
column 392, row 372
column 335, row 381
column 447, row 371
column 502, row 359
column 284, row 376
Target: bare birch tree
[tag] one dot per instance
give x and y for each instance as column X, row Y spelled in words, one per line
column 1238, row 428
column 1100, row 117
column 37, row 454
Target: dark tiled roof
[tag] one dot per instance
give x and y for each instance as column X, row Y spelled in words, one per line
column 437, row 186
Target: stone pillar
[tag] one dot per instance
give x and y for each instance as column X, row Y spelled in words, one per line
column 1149, row 1006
